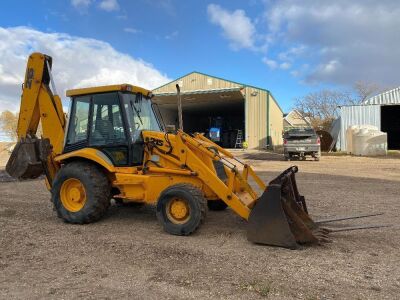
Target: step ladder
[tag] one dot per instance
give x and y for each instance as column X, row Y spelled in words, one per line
column 239, row 139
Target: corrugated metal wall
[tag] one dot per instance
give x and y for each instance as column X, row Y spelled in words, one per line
column 256, row 120
column 389, row 97
column 357, row 115
column 256, row 117
column 275, row 122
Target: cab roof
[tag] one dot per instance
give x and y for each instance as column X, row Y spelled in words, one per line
column 108, row 88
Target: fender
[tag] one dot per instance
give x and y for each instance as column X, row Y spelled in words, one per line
column 90, row 154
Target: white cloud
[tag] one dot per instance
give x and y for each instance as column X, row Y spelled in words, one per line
column 236, row 26
column 81, row 3
column 285, row 66
column 344, row 41
column 109, row 5
column 272, row 64
column 132, row 30
column 77, row 62
column 172, row 35
column 341, row 41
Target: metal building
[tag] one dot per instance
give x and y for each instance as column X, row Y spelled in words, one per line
column 382, row 111
column 209, row 101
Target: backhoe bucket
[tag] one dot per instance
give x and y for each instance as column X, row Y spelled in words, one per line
column 26, row 160
column 280, row 217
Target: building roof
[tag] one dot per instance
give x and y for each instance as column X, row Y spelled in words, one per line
column 219, row 78
column 388, row 97
column 301, row 117
column 107, row 88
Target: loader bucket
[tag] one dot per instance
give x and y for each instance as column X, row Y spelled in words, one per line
column 280, row 216
column 26, row 160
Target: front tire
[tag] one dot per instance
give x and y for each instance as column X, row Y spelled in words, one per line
column 181, row 209
column 81, row 193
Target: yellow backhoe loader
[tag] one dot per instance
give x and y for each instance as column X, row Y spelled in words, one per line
column 114, row 145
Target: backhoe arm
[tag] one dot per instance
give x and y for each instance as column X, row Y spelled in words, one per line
column 33, row 156
column 39, row 103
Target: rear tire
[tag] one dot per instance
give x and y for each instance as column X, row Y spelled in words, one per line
column 216, row 205
column 95, row 193
column 181, row 209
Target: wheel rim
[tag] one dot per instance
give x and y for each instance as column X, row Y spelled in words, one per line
column 73, row 195
column 178, row 211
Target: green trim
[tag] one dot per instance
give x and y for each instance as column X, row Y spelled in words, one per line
column 268, row 135
column 235, row 82
column 277, row 104
column 219, row 78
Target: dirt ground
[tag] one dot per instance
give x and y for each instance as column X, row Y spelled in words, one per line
column 127, row 254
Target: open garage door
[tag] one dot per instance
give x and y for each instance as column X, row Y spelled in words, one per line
column 390, row 123
column 217, row 114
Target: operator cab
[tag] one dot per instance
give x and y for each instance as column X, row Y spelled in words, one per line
column 111, row 119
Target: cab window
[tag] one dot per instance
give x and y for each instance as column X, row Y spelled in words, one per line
column 140, row 114
column 78, row 129
column 107, row 125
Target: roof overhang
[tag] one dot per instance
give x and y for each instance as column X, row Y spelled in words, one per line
column 108, row 88
column 197, row 100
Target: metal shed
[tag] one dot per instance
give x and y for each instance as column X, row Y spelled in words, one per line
column 243, row 107
column 382, row 111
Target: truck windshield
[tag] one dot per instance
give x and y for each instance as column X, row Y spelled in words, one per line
column 301, row 132
column 140, row 114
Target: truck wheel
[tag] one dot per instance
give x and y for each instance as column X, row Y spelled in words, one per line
column 81, row 193
column 216, row 205
column 181, row 209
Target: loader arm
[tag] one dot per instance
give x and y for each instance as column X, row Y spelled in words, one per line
column 34, row 155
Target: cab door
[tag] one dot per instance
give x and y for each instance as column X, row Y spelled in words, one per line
column 108, row 130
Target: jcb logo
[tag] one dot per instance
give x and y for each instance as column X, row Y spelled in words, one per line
column 157, row 142
column 29, row 77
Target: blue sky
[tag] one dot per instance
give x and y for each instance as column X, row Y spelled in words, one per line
column 289, row 47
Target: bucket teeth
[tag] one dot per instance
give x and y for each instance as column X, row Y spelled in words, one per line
column 280, row 217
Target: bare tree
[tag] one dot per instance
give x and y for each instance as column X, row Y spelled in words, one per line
column 364, row 90
column 9, row 122
column 322, row 107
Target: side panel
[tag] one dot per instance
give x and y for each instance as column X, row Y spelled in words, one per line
column 256, row 118
column 147, row 188
column 275, row 123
